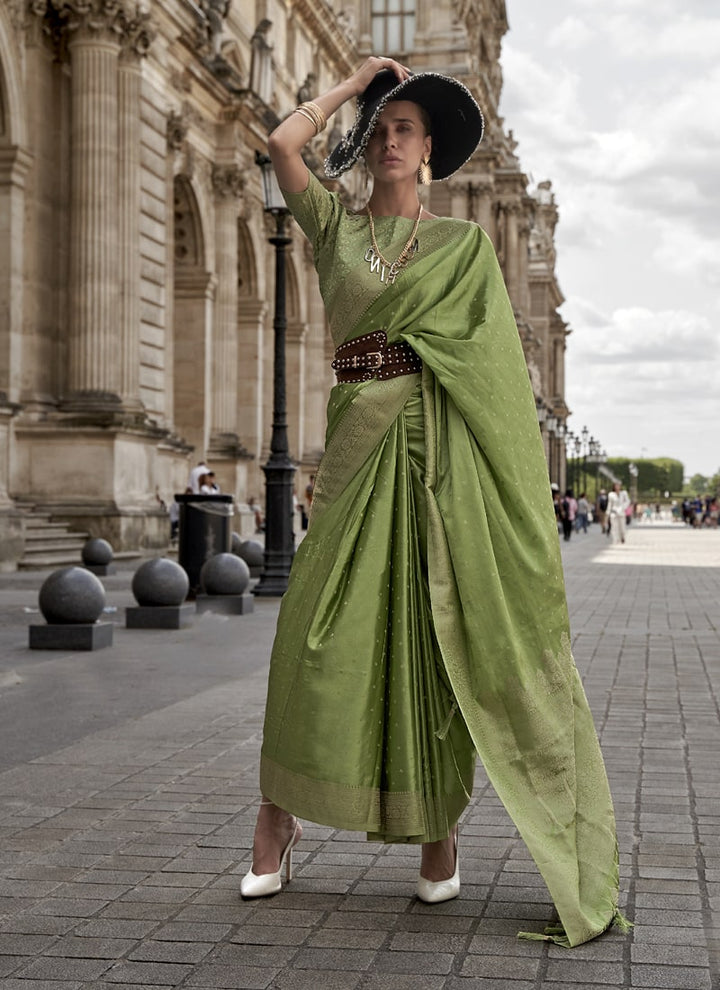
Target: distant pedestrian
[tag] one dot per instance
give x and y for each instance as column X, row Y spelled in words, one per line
column 208, row 485
column 257, row 513
column 618, row 505
column 569, row 513
column 174, row 513
column 583, row 514
column 687, row 513
column 194, row 481
column 602, row 504
column 557, row 505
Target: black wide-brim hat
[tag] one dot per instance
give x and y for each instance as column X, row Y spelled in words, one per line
column 456, row 120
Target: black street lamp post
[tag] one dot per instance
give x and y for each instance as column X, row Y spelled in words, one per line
column 560, row 430
column 585, row 433
column 569, row 467
column 577, row 443
column 551, row 426
column 279, row 469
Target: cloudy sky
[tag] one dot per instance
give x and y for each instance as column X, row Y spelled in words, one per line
column 618, row 103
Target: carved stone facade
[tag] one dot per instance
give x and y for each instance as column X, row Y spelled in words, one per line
column 135, row 270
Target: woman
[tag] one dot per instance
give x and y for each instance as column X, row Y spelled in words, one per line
column 426, row 615
column 618, row 505
column 583, row 513
column 569, row 513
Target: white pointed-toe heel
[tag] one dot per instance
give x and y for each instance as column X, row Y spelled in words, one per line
column 267, row 884
column 436, row 891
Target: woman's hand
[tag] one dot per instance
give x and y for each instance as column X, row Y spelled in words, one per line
column 286, row 142
column 362, row 78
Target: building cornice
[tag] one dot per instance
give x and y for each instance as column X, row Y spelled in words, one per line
column 323, row 26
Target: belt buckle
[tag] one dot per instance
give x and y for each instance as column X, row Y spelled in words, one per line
column 377, row 363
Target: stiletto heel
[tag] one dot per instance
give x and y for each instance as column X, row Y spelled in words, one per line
column 435, row 891
column 288, row 866
column 267, row 884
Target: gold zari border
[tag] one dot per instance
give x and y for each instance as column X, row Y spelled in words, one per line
column 399, row 816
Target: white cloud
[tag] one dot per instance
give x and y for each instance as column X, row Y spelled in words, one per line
column 682, row 36
column 573, row 32
column 613, row 156
column 544, row 97
column 640, row 336
column 683, row 251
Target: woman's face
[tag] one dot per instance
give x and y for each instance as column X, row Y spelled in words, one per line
column 398, row 143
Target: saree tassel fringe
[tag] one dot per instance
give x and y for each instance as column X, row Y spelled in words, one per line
column 556, row 933
column 445, row 727
column 621, row 923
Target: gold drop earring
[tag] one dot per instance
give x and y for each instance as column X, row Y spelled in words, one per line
column 425, row 172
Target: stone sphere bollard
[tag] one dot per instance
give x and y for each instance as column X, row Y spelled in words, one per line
column 71, row 600
column 97, row 551
column 70, row 596
column 160, row 582
column 235, row 543
column 224, row 574
column 253, row 554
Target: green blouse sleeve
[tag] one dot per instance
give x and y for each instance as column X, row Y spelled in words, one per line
column 316, row 210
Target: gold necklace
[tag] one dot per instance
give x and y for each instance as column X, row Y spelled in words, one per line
column 389, row 270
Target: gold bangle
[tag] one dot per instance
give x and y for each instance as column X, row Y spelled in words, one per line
column 318, row 113
column 311, row 115
column 314, row 113
column 304, row 113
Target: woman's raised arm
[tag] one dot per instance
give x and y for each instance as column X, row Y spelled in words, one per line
column 286, row 142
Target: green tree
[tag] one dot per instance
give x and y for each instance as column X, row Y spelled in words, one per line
column 656, row 475
column 698, row 484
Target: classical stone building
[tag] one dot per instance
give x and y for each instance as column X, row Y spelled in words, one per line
column 135, row 269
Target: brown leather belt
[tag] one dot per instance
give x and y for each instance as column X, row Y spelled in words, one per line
column 370, row 356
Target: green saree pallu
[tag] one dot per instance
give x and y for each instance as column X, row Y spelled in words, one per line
column 426, row 620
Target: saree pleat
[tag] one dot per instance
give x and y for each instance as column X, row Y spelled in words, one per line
column 361, row 629
column 426, row 614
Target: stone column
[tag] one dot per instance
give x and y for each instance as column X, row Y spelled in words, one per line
column 93, row 365
column 524, row 227
column 194, row 300
column 512, row 261
column 136, row 42
column 227, row 183
column 458, row 190
column 559, row 367
column 251, row 323
column 14, row 165
column 484, row 204
column 296, row 386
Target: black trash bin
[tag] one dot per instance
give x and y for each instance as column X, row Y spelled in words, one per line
column 204, row 530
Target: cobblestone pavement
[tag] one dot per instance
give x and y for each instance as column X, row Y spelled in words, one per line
column 121, row 853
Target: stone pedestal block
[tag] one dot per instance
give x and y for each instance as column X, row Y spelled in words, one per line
column 225, row 604
column 158, row 616
column 78, row 636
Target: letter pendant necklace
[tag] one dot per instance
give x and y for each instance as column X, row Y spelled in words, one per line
column 389, row 270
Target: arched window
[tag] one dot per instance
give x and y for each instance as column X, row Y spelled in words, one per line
column 393, row 26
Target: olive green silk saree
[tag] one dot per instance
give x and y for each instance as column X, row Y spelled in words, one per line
column 426, row 615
